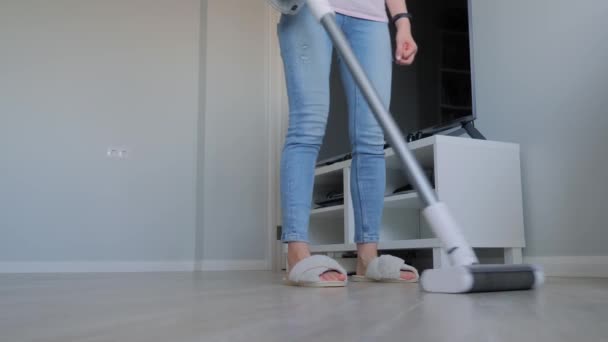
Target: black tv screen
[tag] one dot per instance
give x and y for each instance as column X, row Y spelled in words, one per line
column 434, row 93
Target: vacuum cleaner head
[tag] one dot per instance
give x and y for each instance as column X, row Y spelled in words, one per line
column 482, row 278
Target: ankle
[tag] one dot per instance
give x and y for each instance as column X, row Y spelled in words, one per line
column 364, row 260
column 362, row 263
column 297, row 251
column 365, row 254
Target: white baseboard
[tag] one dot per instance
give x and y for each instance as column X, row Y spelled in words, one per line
column 572, row 266
column 96, row 266
column 233, row 265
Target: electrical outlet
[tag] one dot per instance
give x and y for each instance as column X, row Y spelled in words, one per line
column 117, row 153
column 112, row 152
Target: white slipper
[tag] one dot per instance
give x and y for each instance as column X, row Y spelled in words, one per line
column 307, row 271
column 386, row 269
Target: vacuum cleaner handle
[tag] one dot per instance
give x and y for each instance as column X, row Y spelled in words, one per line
column 437, row 214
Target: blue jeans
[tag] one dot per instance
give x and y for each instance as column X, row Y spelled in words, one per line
column 307, row 50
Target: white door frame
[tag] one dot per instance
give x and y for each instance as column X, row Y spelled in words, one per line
column 276, row 117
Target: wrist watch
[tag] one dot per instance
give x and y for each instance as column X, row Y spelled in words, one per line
column 398, row 16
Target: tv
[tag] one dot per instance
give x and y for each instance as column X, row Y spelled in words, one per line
column 432, row 95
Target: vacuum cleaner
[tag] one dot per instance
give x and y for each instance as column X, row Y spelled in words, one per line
column 465, row 275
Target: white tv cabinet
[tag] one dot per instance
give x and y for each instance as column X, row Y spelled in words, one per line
column 479, row 180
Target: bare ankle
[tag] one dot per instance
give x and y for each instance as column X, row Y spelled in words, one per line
column 297, row 251
column 366, row 252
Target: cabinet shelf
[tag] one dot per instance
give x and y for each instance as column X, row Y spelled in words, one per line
column 409, row 244
column 334, row 211
column 333, row 248
column 408, row 199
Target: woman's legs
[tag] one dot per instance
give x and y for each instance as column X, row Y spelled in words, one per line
column 306, row 51
column 371, row 43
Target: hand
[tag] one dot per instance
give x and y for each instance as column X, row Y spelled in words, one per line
column 406, row 48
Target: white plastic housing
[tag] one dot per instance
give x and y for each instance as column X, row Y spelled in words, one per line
column 539, row 277
column 449, row 233
column 447, row 280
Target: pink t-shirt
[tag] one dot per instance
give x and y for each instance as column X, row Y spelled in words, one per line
column 364, row 9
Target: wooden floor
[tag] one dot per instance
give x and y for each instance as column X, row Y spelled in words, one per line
column 255, row 306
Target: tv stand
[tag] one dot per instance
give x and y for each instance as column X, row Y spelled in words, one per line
column 473, row 132
column 479, row 180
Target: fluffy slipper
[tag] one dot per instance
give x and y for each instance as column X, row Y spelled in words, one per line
column 386, row 269
column 307, row 272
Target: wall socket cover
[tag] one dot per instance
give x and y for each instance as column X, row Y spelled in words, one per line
column 117, row 152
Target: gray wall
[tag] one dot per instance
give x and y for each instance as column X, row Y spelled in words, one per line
column 542, row 81
column 76, row 78
column 236, row 148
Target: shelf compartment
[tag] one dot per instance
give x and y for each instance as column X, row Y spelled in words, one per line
column 331, row 175
column 400, row 224
column 422, row 150
column 332, row 168
column 325, row 184
column 327, row 229
column 395, row 176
